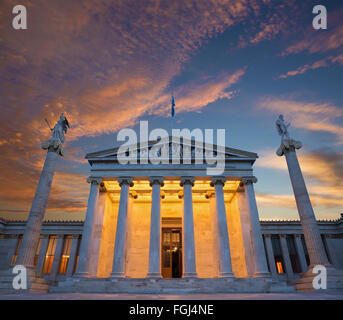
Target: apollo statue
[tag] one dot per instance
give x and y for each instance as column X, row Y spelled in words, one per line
column 57, row 139
column 286, row 142
column 282, row 127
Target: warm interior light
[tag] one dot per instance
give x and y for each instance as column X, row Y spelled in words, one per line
column 170, row 190
column 279, row 267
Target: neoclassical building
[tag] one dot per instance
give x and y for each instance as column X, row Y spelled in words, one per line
column 159, row 227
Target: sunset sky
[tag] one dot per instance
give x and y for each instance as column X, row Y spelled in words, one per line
column 231, row 64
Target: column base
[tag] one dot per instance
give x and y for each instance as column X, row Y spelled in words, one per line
column 154, row 275
column 226, row 275
column 189, row 275
column 117, row 275
column 81, row 275
column 262, row 275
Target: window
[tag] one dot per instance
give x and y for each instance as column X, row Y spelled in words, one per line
column 278, row 254
column 49, row 256
column 14, row 258
column 279, row 267
column 65, row 254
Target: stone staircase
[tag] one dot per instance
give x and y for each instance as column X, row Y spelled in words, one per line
column 334, row 280
column 171, row 286
column 35, row 283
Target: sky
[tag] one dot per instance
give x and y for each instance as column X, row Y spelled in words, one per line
column 233, row 64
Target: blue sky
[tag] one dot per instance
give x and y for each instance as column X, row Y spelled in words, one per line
column 232, row 64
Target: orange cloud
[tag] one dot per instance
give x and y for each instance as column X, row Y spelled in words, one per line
column 308, row 115
column 323, row 172
column 104, row 64
column 315, row 41
column 318, row 64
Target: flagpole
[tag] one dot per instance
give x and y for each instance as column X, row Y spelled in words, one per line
column 172, row 113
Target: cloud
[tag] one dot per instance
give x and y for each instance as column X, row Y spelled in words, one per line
column 318, row 64
column 323, row 172
column 104, row 64
column 316, row 41
column 322, row 117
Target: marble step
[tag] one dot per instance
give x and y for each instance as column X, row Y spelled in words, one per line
column 182, row 286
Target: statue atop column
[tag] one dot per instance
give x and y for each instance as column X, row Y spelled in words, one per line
column 57, row 139
column 34, row 223
column 313, row 240
column 286, row 141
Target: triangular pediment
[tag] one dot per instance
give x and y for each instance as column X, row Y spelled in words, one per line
column 172, row 145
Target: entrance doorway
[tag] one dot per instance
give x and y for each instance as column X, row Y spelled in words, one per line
column 171, row 253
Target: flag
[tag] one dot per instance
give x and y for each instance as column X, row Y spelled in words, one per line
column 172, row 107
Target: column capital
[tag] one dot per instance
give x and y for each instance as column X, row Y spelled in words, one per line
column 187, row 180
column 125, row 180
column 75, row 236
column 246, row 180
column 282, row 235
column 156, row 180
column 96, row 180
column 267, row 235
column 288, row 145
column 218, row 180
column 297, row 235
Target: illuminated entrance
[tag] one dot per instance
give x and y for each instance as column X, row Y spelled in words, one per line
column 171, row 253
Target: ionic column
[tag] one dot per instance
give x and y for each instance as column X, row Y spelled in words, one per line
column 42, row 252
column 308, row 221
column 301, row 253
column 120, row 242
column 88, row 228
column 225, row 267
column 189, row 265
column 72, row 255
column 57, row 257
column 286, row 257
column 261, row 268
column 270, row 254
column 31, row 236
column 97, row 232
column 155, row 228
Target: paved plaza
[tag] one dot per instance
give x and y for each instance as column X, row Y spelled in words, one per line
column 219, row 296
